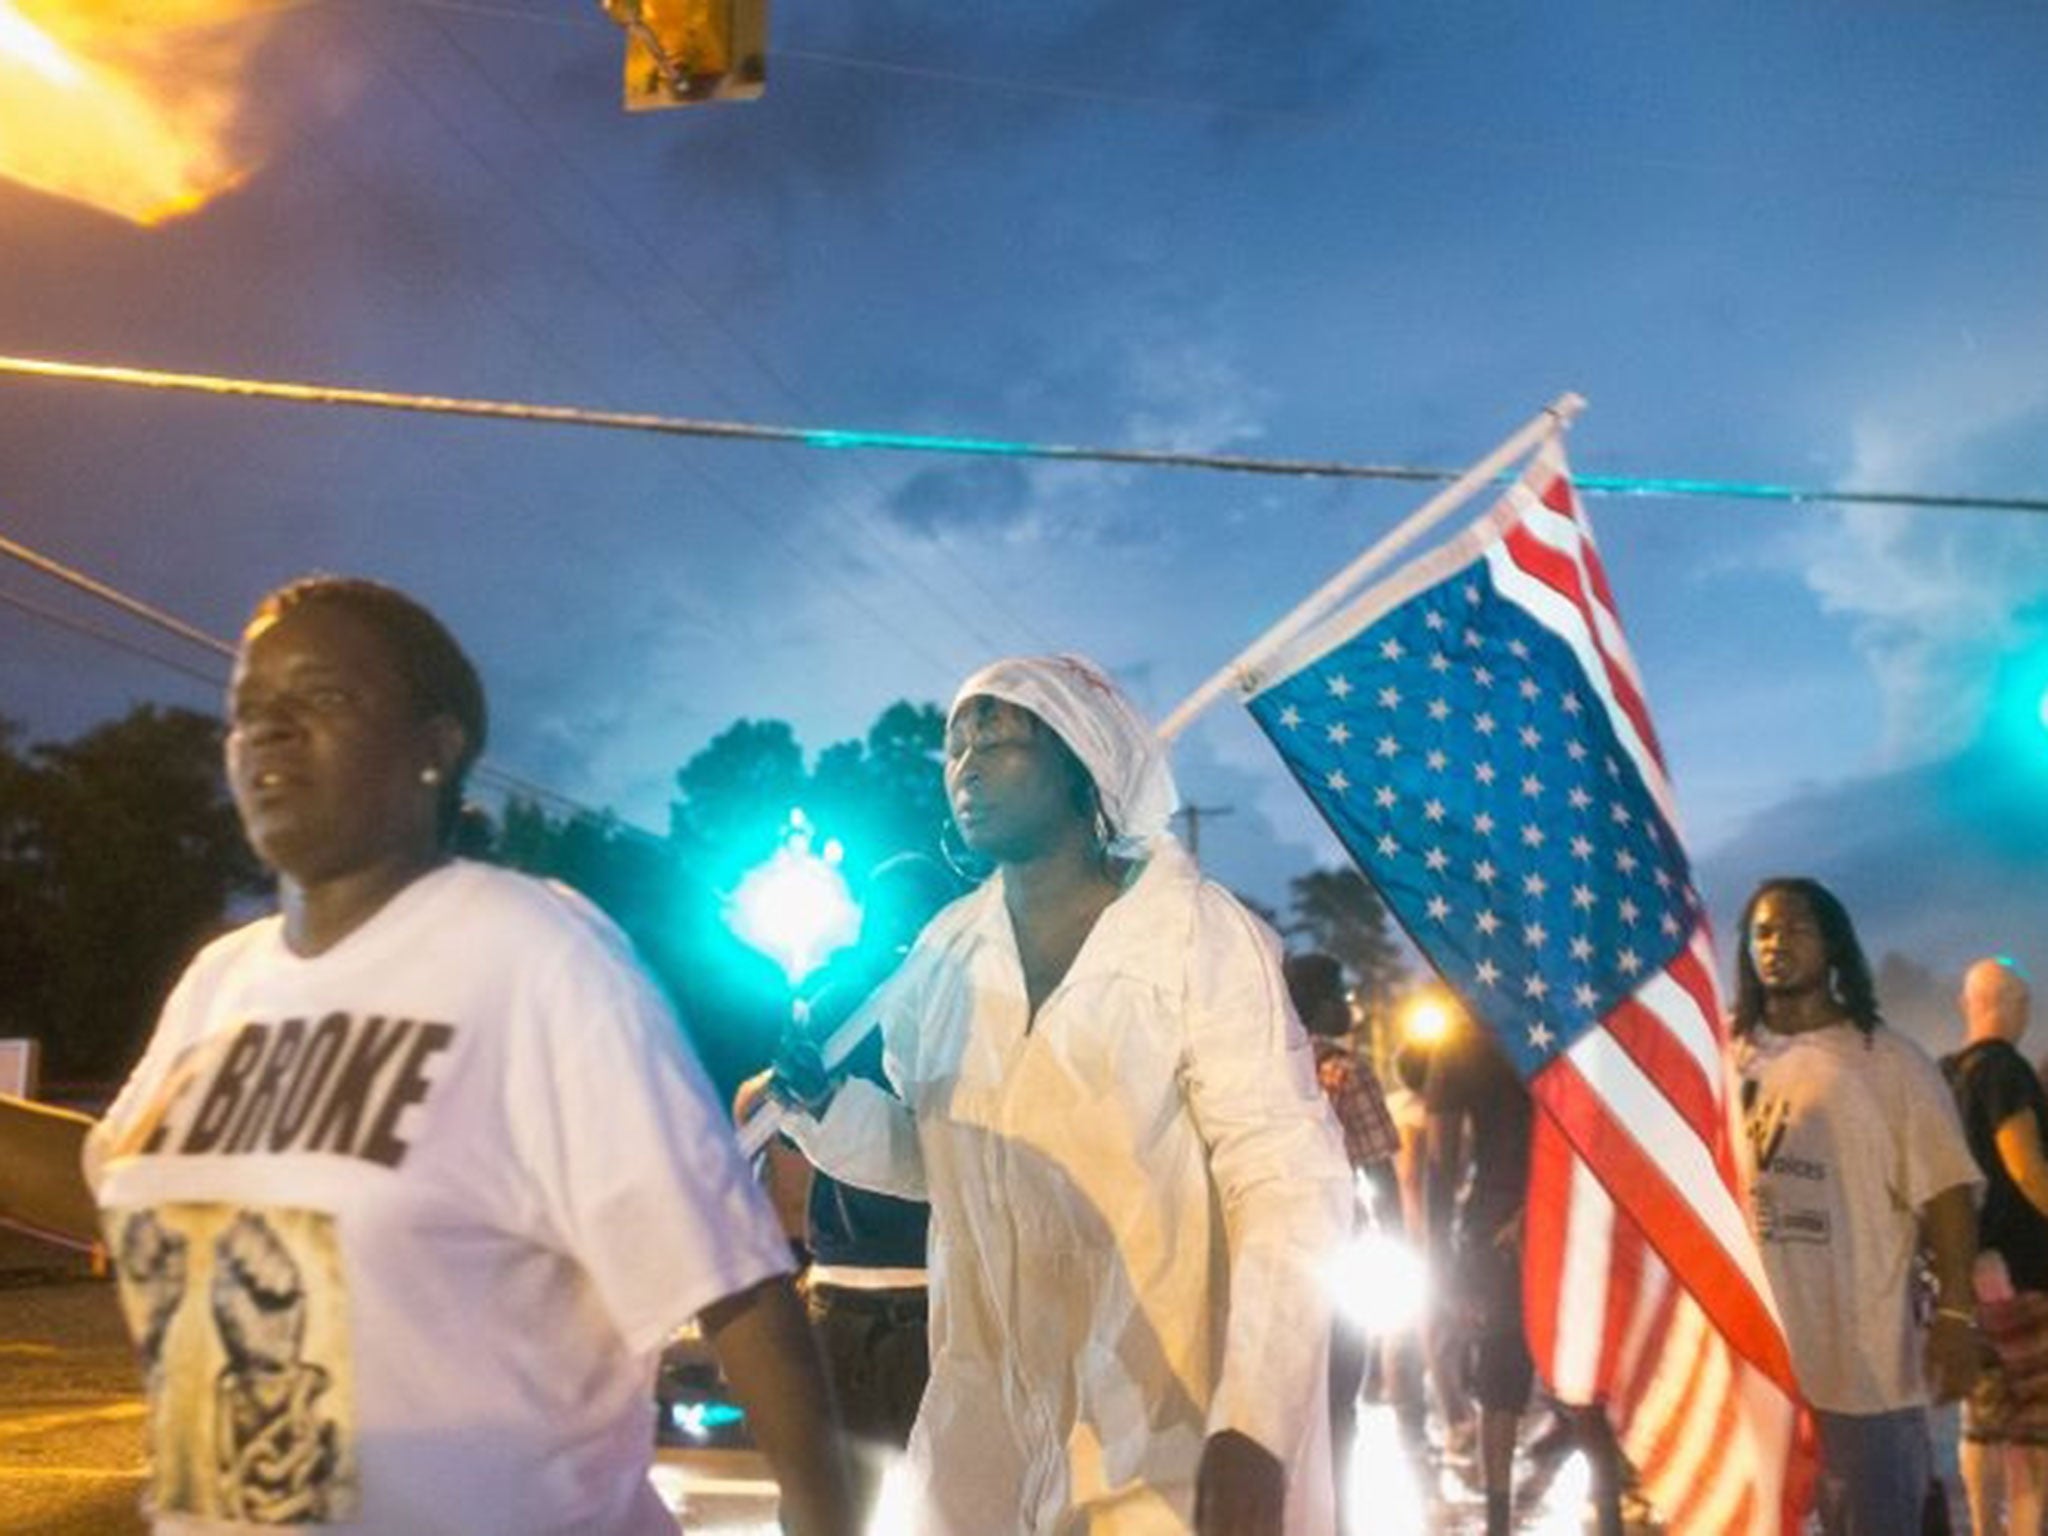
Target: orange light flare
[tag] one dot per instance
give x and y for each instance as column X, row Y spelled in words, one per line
column 135, row 107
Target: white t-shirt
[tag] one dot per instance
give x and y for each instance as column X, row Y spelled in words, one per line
column 1134, row 1195
column 402, row 1227
column 1851, row 1136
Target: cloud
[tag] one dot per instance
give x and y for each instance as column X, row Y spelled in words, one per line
column 1936, row 596
column 979, row 494
column 1170, row 389
column 1185, row 396
column 996, row 94
column 1922, row 856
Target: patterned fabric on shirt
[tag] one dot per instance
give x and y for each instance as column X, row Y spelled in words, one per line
column 1354, row 1092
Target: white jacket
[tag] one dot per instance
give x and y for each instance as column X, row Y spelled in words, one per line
column 1133, row 1199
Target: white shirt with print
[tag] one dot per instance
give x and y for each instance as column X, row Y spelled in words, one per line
column 1851, row 1136
column 402, row 1227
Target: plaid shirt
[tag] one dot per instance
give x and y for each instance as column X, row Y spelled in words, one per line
column 1353, row 1089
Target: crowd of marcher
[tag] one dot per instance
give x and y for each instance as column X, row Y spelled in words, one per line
column 416, row 1177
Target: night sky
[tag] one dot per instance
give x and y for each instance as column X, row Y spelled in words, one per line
column 1803, row 244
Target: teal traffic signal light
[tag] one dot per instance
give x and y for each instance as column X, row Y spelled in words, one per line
column 795, row 907
column 2019, row 705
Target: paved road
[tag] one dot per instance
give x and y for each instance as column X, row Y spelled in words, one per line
column 71, row 1416
column 71, row 1429
column 71, row 1422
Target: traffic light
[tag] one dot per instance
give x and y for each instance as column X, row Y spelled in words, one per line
column 795, row 908
column 682, row 52
column 2019, row 697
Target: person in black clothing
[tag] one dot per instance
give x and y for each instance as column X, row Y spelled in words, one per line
column 1479, row 1119
column 2004, row 1111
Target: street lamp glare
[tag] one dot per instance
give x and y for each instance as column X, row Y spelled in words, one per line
column 1427, row 1022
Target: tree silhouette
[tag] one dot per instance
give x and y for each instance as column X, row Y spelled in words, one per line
column 874, row 797
column 887, row 795
column 734, row 795
column 1339, row 912
column 119, row 854
column 23, row 901
column 877, row 796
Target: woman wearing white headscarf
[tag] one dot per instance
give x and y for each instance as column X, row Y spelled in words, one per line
column 1134, row 1179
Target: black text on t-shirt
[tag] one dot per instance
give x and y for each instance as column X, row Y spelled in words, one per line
column 340, row 1086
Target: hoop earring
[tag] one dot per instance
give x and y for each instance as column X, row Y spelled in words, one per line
column 961, row 859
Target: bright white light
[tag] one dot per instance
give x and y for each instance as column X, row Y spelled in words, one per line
column 795, row 907
column 892, row 1511
column 707, row 1500
column 1563, row 1510
column 1379, row 1283
column 1426, row 1022
column 22, row 39
column 1384, row 1491
column 700, row 1421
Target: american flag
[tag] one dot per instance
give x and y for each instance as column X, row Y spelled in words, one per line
column 1474, row 730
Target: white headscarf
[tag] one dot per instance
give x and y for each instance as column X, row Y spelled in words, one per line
column 1122, row 754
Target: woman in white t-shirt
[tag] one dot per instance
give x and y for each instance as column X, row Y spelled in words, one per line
column 416, row 1176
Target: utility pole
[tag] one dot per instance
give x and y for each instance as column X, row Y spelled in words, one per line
column 1192, row 815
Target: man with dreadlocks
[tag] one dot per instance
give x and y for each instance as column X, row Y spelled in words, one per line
column 1860, row 1166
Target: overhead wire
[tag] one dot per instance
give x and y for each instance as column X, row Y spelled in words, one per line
column 552, row 18
column 556, row 359
column 489, row 773
column 801, row 553
column 1402, row 137
column 844, row 438
column 798, row 550
column 652, row 326
column 135, row 607
column 678, row 282
column 77, row 626
column 1597, row 484
column 481, row 294
column 1593, row 483
column 1206, row 105
column 545, row 349
column 1525, row 148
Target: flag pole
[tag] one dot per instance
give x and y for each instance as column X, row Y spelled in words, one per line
column 1553, row 418
column 761, row 1126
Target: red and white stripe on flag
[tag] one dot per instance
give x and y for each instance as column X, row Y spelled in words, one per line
column 1643, row 1289
column 1693, row 1372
